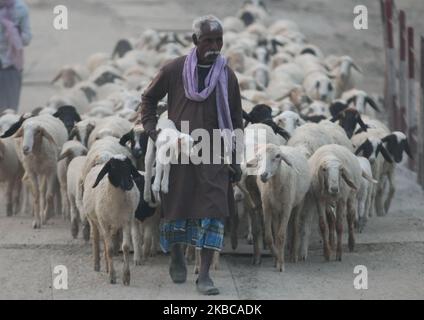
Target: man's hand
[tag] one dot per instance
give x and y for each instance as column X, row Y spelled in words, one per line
column 153, row 134
column 235, row 173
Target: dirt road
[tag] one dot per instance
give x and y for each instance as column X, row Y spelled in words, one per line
column 391, row 247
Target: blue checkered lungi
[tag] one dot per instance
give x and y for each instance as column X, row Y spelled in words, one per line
column 201, row 233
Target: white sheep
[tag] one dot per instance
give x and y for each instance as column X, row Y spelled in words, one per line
column 110, row 126
column 364, row 195
column 40, row 141
column 171, row 141
column 11, row 173
column 336, row 177
column 289, row 120
column 283, row 183
column 109, row 204
column 73, row 177
column 70, row 150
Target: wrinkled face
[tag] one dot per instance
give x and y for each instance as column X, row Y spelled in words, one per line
column 330, row 173
column 209, row 44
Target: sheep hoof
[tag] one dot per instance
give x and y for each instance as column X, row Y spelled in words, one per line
column 97, row 267
column 74, row 229
column 126, row 278
column 112, row 278
column 138, row 262
column 35, row 224
column 256, row 261
column 196, row 270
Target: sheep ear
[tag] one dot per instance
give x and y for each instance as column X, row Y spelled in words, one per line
column 350, row 100
column 13, row 129
column 127, row 137
column 359, row 149
column 47, row 135
column 286, row 160
column 73, row 133
column 356, row 67
column 101, row 174
column 65, row 154
column 253, row 163
column 385, row 154
column 362, row 124
column 372, row 103
column 57, row 77
column 348, row 180
column 134, row 172
column 367, row 177
column 407, row 149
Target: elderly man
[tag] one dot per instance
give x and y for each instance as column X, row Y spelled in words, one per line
column 14, row 35
column 204, row 91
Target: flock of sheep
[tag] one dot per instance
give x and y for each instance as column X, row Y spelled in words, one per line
column 326, row 156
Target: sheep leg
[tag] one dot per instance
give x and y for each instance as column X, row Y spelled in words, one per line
column 351, row 212
column 17, row 195
column 234, row 222
column 65, row 202
column 158, row 176
column 85, row 230
column 197, row 261
column 250, row 231
column 107, row 236
column 379, row 199
column 105, row 256
column 341, row 212
column 149, row 160
column 74, row 217
column 295, row 217
column 321, row 206
column 136, row 241
column 268, row 217
column 190, row 254
column 392, row 190
column 331, row 226
column 165, row 179
column 96, row 246
column 50, row 193
column 147, row 242
column 9, row 197
column 35, row 199
column 281, row 236
column 305, row 224
column 256, row 234
column 126, row 276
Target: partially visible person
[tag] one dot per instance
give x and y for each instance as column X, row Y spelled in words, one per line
column 15, row 33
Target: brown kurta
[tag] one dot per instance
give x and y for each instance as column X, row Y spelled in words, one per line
column 195, row 191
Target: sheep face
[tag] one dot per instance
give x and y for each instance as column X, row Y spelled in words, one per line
column 349, row 119
column 330, row 174
column 32, row 137
column 323, row 90
column 269, row 160
column 396, row 143
column 371, row 148
column 68, row 115
column 138, row 139
column 120, row 171
column 289, row 120
column 82, row 131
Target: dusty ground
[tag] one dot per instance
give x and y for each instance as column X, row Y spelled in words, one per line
column 392, row 247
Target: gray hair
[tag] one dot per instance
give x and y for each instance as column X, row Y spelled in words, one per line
column 210, row 20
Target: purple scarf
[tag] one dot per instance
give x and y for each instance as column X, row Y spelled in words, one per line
column 15, row 50
column 217, row 77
